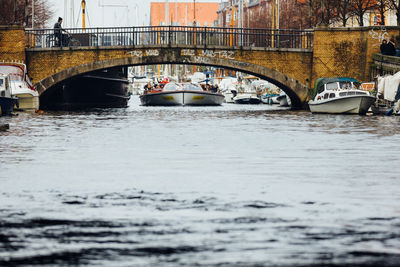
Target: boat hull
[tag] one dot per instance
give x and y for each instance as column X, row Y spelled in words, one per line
column 28, row 99
column 346, row 105
column 202, row 99
column 179, row 98
column 7, row 105
column 27, row 102
column 162, row 99
column 247, row 100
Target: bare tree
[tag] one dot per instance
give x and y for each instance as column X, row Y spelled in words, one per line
column 383, row 7
column 19, row 12
column 343, row 11
column 360, row 7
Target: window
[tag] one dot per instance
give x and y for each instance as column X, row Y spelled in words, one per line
column 326, row 96
column 332, row 95
column 332, row 86
column 345, row 85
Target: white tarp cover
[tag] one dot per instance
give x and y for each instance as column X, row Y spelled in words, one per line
column 388, row 86
column 198, row 77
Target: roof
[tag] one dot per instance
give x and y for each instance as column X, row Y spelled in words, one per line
column 320, row 82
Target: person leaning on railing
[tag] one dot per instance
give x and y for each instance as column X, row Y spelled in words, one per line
column 388, row 48
column 60, row 37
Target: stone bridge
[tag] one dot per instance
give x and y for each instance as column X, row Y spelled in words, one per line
column 290, row 59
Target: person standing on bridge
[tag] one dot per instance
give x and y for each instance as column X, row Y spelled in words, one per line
column 60, row 37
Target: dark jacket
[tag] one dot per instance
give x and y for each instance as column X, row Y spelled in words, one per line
column 57, row 28
column 391, row 50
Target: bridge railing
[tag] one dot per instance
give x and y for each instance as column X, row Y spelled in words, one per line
column 176, row 35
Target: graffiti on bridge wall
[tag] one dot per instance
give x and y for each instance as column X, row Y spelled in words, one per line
column 186, row 52
column 379, row 35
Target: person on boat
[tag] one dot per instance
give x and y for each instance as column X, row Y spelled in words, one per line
column 60, row 37
column 148, row 87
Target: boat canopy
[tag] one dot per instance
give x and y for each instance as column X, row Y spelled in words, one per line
column 192, row 87
column 172, row 87
column 320, row 83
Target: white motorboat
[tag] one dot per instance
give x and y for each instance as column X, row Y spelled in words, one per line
column 176, row 94
column 7, row 101
column 227, row 86
column 21, row 87
column 246, row 99
column 246, row 94
column 340, row 96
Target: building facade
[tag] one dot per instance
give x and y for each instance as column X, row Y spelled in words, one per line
column 183, row 13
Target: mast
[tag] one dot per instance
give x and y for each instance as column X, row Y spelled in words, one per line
column 83, row 3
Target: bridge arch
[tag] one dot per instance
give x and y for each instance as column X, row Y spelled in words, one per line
column 295, row 90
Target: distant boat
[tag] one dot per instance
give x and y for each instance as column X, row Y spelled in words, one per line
column 246, row 93
column 283, row 99
column 21, row 86
column 7, row 101
column 227, row 86
column 176, row 94
column 246, row 98
column 340, row 96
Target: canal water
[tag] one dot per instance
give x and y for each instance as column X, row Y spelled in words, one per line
column 232, row 185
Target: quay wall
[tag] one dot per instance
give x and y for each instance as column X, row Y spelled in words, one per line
column 347, row 52
column 12, row 43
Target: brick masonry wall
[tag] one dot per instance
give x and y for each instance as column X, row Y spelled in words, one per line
column 46, row 63
column 347, row 52
column 12, row 43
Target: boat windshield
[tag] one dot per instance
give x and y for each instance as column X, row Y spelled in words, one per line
column 349, row 85
column 345, row 85
column 332, row 86
column 172, row 87
column 192, row 87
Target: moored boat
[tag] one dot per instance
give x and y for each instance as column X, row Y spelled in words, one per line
column 246, row 98
column 7, row 101
column 340, row 95
column 20, row 85
column 174, row 94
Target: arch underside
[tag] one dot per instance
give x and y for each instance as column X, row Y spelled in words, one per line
column 294, row 89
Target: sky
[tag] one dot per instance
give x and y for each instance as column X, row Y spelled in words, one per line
column 107, row 13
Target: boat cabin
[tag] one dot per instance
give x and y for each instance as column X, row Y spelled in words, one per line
column 328, row 88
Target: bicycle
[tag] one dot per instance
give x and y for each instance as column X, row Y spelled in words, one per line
column 68, row 41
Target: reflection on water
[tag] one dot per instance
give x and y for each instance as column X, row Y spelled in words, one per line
column 231, row 185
